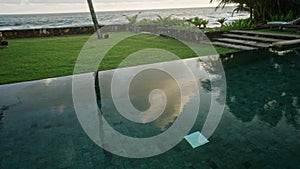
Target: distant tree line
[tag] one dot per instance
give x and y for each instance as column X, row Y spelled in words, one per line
column 266, row 10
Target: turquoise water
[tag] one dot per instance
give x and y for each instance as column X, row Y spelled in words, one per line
column 260, row 127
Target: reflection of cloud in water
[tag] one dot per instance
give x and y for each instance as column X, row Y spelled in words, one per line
column 147, row 81
column 175, row 105
column 59, row 109
column 150, row 79
column 48, row 81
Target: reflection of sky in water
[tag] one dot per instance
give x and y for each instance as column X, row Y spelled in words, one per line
column 259, row 129
column 140, row 88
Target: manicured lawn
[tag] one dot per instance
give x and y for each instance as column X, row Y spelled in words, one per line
column 289, row 31
column 37, row 58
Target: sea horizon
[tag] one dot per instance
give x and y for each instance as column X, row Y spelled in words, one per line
column 99, row 11
column 78, row 19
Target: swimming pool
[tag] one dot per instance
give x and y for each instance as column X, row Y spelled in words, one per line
column 260, row 127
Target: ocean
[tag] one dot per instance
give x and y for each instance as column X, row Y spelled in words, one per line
column 34, row 21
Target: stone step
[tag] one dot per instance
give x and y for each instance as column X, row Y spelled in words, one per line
column 245, row 42
column 287, row 43
column 228, row 45
column 255, row 38
column 274, row 35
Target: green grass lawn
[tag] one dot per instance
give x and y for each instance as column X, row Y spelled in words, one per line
column 288, row 31
column 37, row 58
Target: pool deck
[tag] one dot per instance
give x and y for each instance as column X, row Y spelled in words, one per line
column 249, row 40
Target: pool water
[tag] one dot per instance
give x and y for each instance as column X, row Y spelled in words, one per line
column 260, row 127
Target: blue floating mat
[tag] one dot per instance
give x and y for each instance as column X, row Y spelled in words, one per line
column 196, row 139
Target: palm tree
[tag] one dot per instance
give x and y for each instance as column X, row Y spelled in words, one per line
column 241, row 8
column 222, row 3
column 263, row 10
column 94, row 18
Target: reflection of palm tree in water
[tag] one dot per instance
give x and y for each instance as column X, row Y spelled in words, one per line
column 99, row 105
column 4, row 108
column 269, row 95
column 268, row 90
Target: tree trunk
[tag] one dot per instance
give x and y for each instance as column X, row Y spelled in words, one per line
column 94, row 17
column 251, row 13
column 278, row 7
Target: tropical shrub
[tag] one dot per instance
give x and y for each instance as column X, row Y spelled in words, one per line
column 222, row 21
column 166, row 21
column 132, row 19
column 239, row 24
column 204, row 23
column 198, row 22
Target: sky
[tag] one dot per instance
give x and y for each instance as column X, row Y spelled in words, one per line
column 66, row 6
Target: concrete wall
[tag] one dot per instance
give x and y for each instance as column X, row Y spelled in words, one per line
column 46, row 32
column 49, row 32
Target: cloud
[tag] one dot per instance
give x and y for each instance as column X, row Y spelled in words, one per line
column 69, row 1
column 10, row 1
column 63, row 6
column 56, row 1
column 97, row 1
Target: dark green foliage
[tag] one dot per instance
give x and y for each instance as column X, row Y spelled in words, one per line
column 239, row 24
column 204, row 23
column 288, row 17
column 163, row 21
column 222, row 21
column 266, row 10
column 198, row 22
